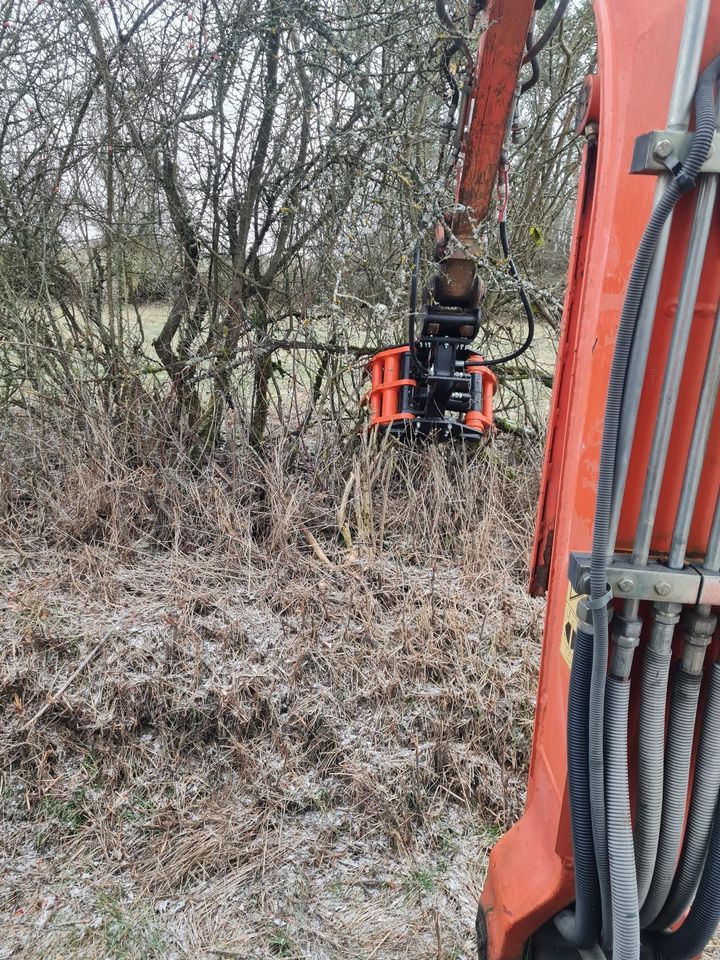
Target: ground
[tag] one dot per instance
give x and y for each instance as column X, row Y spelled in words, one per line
column 287, row 718
column 286, row 825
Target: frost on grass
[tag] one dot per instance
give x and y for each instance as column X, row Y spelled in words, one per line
column 282, row 719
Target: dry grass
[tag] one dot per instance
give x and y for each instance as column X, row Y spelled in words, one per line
column 258, row 711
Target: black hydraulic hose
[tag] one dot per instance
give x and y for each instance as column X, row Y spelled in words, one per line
column 447, row 21
column 452, row 83
column 651, row 760
column 459, row 95
column 686, row 690
column 513, row 271
column 533, row 61
column 581, row 926
column 621, row 852
column 533, row 78
column 600, row 597
column 416, row 365
column 700, row 924
column 706, row 788
column 557, row 16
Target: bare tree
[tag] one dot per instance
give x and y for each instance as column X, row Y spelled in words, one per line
column 258, row 171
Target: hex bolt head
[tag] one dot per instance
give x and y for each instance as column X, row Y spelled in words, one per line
column 625, row 584
column 662, row 588
column 663, row 149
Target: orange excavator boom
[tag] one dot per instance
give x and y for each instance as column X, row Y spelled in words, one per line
column 618, row 850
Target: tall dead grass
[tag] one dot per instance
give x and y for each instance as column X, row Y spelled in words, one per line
column 270, row 706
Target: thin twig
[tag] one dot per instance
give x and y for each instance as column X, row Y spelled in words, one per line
column 53, row 697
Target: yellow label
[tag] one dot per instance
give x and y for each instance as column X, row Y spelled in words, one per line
column 569, row 632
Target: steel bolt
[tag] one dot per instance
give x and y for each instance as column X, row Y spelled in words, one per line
column 625, row 584
column 662, row 588
column 663, row 149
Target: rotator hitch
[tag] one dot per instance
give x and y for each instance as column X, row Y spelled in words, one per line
column 435, row 386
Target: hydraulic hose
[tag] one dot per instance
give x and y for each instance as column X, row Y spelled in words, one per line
column 598, row 561
column 621, row 853
column 535, row 66
column 700, row 924
column 686, row 691
column 417, row 366
column 683, row 181
column 447, row 21
column 581, row 926
column 513, row 271
column 706, row 787
column 557, row 16
column 651, row 743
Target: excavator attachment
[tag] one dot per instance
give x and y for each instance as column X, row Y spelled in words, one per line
column 437, row 386
column 436, row 389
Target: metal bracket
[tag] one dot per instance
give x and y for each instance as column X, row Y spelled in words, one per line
column 710, row 587
column 654, row 582
column 653, row 149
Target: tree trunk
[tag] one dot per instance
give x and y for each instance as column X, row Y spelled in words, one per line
column 261, row 401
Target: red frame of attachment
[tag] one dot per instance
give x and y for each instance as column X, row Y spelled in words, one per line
column 383, row 397
column 474, row 418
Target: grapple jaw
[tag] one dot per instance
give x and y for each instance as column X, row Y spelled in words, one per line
column 437, row 389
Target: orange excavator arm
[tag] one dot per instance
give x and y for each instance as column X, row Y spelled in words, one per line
column 618, row 850
column 437, row 386
column 501, row 47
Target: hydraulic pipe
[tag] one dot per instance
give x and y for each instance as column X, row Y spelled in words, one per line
column 706, row 787
column 651, row 767
column 699, row 629
column 706, row 782
column 686, row 74
column 651, row 741
column 623, row 946
column 626, row 930
column 686, row 689
column 598, row 562
column 581, row 926
column 687, row 683
column 712, row 554
column 698, row 446
column 693, row 936
column 687, row 299
column 656, row 663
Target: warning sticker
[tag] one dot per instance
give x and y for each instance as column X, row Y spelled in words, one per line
column 570, row 625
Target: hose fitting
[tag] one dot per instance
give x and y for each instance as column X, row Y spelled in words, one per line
column 626, row 638
column 698, row 629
